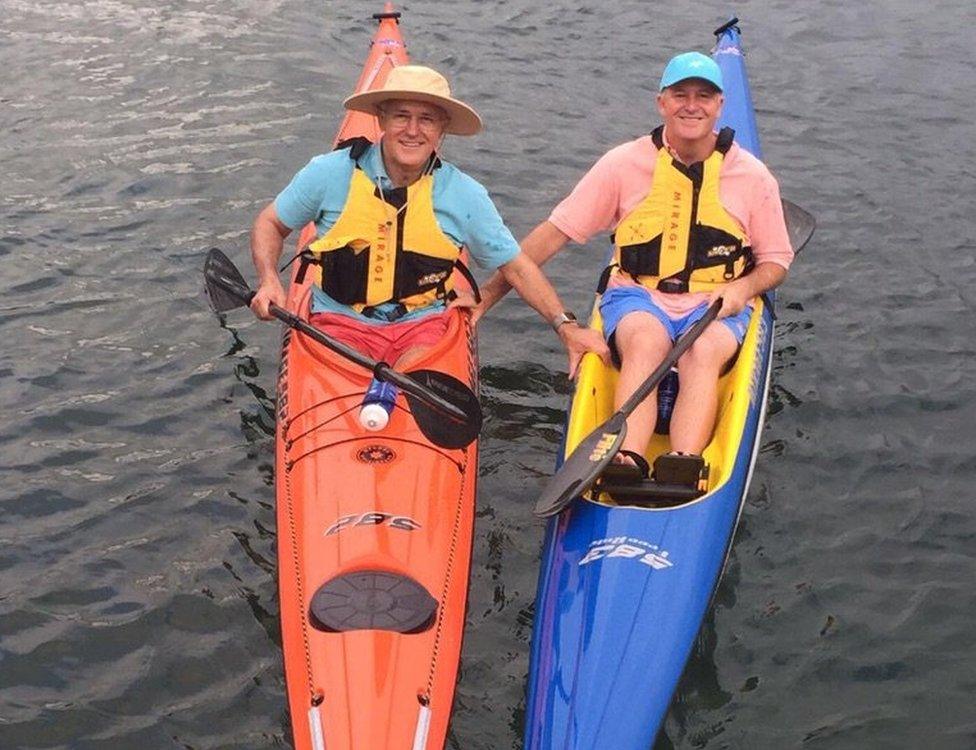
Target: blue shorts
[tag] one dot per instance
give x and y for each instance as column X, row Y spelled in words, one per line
column 618, row 301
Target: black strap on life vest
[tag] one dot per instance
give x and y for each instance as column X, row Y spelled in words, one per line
column 307, row 259
column 469, row 277
column 357, row 146
column 390, row 316
column 292, row 259
column 725, row 138
column 601, row 285
column 657, row 137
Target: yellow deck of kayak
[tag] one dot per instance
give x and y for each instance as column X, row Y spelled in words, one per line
column 593, row 404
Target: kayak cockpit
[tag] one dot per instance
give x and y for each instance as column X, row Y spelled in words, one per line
column 741, row 388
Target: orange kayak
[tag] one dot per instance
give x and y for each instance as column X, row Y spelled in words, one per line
column 374, row 530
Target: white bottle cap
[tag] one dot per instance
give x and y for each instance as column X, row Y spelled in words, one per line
column 373, row 417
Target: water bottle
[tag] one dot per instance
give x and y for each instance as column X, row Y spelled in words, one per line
column 377, row 405
column 667, row 391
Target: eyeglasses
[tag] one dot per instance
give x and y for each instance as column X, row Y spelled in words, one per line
column 401, row 119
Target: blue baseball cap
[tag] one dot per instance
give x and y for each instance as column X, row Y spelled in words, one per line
column 691, row 65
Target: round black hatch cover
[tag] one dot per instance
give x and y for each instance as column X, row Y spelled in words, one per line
column 372, row 600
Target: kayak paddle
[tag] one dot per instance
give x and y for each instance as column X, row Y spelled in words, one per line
column 581, row 469
column 799, row 224
column 431, row 395
column 592, row 455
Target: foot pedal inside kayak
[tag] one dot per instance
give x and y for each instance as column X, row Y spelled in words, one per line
column 372, row 600
column 616, row 474
column 676, row 479
column 678, row 468
column 650, row 494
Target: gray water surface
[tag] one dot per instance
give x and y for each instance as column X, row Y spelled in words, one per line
column 138, row 603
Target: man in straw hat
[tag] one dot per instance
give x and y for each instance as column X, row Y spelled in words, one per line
column 694, row 218
column 416, row 212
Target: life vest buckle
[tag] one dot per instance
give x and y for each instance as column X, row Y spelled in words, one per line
column 306, row 258
column 391, row 316
column 672, row 286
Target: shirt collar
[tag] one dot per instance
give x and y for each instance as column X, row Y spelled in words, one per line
column 372, row 164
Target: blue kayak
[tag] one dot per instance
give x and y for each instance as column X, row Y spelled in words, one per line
column 623, row 590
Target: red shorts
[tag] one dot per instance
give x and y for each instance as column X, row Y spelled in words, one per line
column 385, row 342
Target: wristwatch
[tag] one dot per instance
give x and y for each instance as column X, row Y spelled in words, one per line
column 564, row 317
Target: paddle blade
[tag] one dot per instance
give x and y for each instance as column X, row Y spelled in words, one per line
column 799, row 223
column 226, row 288
column 437, row 427
column 582, row 468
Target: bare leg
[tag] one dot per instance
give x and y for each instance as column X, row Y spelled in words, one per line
column 643, row 343
column 693, row 419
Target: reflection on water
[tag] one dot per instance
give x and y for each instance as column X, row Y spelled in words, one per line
column 138, row 603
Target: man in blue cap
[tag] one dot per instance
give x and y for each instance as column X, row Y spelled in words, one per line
column 694, row 218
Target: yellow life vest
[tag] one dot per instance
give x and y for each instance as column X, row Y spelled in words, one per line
column 385, row 246
column 680, row 238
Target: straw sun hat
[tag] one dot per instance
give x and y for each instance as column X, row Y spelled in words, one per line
column 419, row 84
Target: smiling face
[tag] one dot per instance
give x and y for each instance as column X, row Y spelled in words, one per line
column 690, row 109
column 412, row 131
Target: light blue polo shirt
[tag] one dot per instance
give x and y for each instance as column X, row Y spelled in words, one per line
column 462, row 207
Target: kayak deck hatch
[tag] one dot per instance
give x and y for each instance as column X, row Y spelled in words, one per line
column 373, row 600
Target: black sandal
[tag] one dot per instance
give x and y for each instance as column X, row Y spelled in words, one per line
column 627, row 473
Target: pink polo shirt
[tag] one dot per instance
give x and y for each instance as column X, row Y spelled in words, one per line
column 621, row 179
